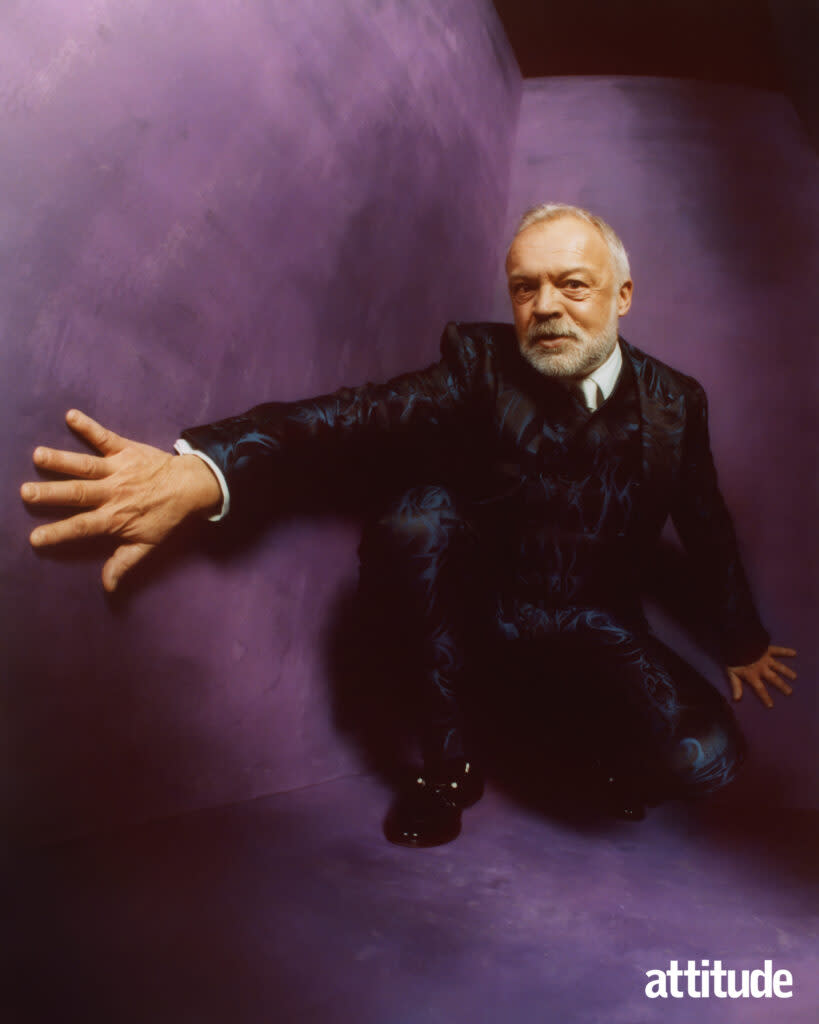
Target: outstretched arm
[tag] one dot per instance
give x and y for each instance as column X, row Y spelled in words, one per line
column 139, row 494
column 132, row 492
column 430, row 414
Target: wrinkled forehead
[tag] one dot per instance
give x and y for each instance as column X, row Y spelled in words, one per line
column 548, row 246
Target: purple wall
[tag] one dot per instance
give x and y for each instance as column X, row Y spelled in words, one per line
column 202, row 207
column 715, row 191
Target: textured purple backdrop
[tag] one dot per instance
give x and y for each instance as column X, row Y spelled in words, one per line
column 204, row 206
column 715, row 191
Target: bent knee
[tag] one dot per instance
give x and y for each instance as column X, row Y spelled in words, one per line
column 708, row 756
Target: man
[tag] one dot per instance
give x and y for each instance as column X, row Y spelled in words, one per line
column 554, row 452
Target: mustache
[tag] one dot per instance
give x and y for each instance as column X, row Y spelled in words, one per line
column 551, row 329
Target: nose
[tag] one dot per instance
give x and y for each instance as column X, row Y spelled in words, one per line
column 547, row 302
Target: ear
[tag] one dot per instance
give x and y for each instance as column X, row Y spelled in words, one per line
column 624, row 297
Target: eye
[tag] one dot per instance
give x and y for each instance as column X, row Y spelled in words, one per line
column 573, row 284
column 522, row 291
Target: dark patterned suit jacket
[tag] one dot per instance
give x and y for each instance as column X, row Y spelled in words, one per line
column 481, row 416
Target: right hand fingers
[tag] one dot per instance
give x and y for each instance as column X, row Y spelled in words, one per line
column 736, row 685
column 103, row 440
column 123, row 559
column 86, row 524
column 89, row 467
column 783, row 669
column 760, row 690
column 80, row 493
column 773, row 680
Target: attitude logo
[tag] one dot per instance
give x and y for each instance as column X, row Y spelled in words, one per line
column 712, row 979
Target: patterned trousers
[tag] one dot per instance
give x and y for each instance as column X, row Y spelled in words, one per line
column 596, row 675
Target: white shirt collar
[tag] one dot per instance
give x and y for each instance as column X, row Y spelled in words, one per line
column 607, row 374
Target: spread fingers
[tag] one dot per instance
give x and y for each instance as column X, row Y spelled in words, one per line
column 86, row 524
column 783, row 669
column 780, row 652
column 103, row 440
column 72, row 493
column 759, row 689
column 773, row 680
column 90, row 467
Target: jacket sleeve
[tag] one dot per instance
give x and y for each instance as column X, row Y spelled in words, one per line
column 707, row 533
column 256, row 449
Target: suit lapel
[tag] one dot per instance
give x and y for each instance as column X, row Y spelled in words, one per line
column 522, row 422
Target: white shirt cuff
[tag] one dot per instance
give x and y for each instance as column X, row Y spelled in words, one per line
column 183, row 447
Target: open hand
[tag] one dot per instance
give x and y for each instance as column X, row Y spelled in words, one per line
column 133, row 492
column 766, row 670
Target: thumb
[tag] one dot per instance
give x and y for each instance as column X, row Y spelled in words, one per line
column 736, row 685
column 123, row 560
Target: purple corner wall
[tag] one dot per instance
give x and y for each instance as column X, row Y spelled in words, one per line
column 715, row 191
column 202, row 207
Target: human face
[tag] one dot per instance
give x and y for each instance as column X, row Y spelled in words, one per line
column 565, row 297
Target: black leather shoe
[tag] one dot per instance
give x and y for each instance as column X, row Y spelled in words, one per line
column 428, row 811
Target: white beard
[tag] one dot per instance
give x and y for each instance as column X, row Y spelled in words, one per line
column 579, row 355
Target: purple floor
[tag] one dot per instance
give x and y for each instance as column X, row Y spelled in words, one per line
column 294, row 909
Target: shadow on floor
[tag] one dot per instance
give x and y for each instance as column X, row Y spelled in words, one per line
column 293, row 909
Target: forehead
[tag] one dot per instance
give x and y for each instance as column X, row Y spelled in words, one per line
column 550, row 245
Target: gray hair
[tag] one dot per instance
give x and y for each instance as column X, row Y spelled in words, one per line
column 554, row 211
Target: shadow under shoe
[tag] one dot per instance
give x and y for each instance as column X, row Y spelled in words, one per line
column 427, row 812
